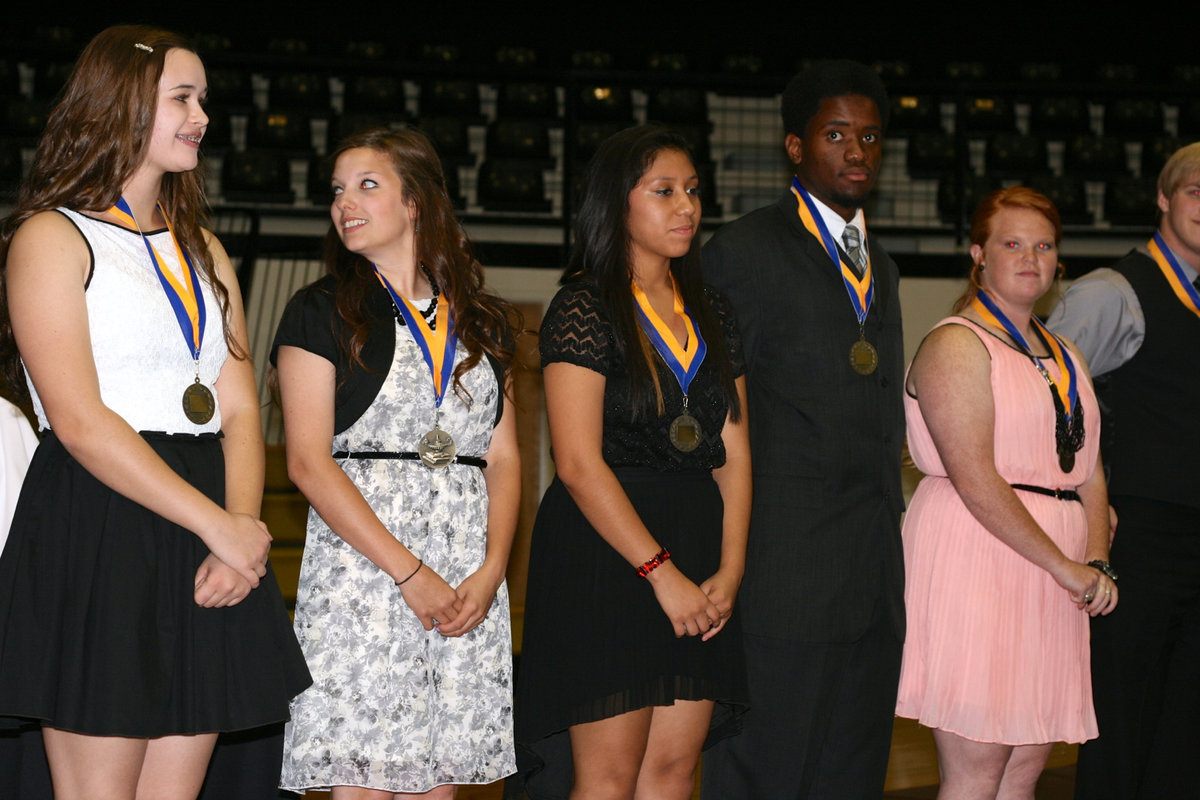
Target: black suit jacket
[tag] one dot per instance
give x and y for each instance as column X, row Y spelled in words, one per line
column 825, row 441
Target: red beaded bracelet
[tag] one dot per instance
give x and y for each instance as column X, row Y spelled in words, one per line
column 660, row 558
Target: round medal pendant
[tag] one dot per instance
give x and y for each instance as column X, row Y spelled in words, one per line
column 437, row 449
column 1066, row 461
column 199, row 405
column 863, row 357
column 686, row 433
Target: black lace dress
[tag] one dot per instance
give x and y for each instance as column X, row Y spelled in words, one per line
column 596, row 641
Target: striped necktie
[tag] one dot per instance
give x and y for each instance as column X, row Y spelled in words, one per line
column 852, row 239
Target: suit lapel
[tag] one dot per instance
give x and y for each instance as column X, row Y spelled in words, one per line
column 811, row 246
column 815, row 250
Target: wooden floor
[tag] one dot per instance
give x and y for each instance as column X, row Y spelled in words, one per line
column 912, row 770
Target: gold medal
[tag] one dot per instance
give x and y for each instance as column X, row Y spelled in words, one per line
column 187, row 302
column 686, row 433
column 682, row 358
column 860, row 288
column 863, row 357
column 437, row 449
column 199, row 405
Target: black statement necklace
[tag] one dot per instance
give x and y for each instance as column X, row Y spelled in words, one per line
column 429, row 313
column 1068, row 437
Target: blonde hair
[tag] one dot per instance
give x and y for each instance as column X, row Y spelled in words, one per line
column 1184, row 165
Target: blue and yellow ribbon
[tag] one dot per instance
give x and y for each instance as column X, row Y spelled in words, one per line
column 684, row 362
column 437, row 347
column 1173, row 272
column 186, row 300
column 860, row 289
column 1066, row 386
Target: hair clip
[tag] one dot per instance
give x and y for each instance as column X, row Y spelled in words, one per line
column 145, row 47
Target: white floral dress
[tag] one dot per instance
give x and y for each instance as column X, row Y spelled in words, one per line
column 393, row 707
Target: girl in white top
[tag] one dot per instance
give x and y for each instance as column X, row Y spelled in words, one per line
column 138, row 614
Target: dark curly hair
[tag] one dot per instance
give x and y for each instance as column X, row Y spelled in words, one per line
column 804, row 93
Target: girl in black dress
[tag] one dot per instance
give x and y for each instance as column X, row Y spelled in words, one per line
column 639, row 545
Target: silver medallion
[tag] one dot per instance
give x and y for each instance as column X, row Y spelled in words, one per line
column 437, row 449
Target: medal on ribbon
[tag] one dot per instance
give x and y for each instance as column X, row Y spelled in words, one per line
column 435, row 448
column 684, row 362
column 1068, row 413
column 187, row 301
column 864, row 358
column 1173, row 272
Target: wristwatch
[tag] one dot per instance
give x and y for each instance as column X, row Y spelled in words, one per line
column 1104, row 567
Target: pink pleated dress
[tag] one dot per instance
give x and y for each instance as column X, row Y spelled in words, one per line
column 996, row 651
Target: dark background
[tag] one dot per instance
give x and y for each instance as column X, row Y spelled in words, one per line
column 781, row 33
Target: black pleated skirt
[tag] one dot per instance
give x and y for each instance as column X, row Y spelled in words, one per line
column 596, row 641
column 99, row 632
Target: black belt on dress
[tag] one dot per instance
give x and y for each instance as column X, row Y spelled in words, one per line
column 469, row 461
column 1061, row 494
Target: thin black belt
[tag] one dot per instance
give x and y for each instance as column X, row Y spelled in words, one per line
column 470, row 461
column 1061, row 494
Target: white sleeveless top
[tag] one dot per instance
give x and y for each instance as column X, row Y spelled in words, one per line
column 143, row 362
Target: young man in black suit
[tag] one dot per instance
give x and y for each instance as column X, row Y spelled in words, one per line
column 822, row 602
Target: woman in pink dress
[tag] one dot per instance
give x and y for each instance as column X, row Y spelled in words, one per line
column 1006, row 540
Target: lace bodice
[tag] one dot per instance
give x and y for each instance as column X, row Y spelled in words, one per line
column 577, row 330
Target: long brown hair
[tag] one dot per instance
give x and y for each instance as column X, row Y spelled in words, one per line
column 981, row 229
column 483, row 322
column 96, row 138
